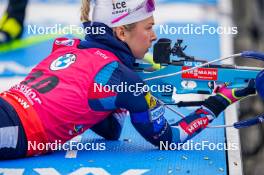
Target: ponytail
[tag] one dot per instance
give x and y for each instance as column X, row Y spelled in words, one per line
column 85, row 9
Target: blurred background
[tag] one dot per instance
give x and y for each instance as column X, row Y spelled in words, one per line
column 247, row 15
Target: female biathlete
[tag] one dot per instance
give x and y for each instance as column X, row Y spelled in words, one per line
column 58, row 99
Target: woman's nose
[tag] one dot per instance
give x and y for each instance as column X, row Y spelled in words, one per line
column 154, row 37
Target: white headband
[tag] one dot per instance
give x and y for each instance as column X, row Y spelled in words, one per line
column 106, row 11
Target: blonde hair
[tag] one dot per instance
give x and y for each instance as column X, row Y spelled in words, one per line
column 85, row 10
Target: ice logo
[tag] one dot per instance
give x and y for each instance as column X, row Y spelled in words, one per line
column 63, row 62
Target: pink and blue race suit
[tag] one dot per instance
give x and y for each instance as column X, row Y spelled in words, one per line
column 56, row 91
column 58, row 99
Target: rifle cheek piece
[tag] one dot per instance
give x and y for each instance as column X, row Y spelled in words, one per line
column 162, row 51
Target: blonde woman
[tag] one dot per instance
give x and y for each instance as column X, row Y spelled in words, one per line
column 61, row 97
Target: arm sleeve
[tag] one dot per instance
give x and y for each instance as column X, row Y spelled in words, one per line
column 147, row 114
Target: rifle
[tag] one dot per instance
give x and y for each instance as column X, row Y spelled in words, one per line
column 188, row 74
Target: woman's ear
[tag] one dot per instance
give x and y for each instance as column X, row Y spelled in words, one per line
column 120, row 33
